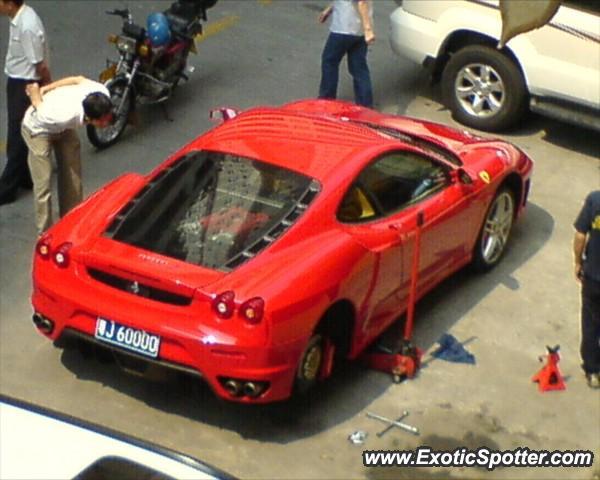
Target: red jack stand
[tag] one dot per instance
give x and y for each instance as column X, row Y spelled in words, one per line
column 549, row 377
column 404, row 360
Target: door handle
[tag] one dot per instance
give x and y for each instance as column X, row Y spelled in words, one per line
column 397, row 228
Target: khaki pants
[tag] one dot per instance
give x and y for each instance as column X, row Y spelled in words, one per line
column 67, row 150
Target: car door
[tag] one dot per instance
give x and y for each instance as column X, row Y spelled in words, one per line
column 380, row 211
column 561, row 59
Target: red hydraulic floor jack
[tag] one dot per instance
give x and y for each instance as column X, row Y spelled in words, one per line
column 404, row 359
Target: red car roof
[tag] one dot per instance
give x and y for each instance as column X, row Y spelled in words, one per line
column 314, row 145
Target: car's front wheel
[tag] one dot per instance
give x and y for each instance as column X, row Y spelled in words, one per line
column 484, row 88
column 495, row 231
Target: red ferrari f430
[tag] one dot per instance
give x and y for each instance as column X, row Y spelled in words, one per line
column 276, row 237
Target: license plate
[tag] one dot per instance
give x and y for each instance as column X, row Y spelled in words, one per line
column 108, row 73
column 127, row 337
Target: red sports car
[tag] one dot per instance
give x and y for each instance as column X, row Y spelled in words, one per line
column 274, row 239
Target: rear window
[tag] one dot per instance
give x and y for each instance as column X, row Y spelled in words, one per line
column 213, row 209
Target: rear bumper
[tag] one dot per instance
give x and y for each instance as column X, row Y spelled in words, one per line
column 187, row 345
column 413, row 37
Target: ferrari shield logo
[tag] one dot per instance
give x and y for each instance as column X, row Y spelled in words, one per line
column 485, row 176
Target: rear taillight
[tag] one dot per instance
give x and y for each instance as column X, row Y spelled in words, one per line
column 61, row 255
column 43, row 247
column 252, row 310
column 224, row 304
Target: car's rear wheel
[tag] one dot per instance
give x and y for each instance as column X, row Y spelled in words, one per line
column 310, row 364
column 495, row 231
column 484, row 88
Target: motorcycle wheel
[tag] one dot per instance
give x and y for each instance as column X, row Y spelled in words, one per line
column 122, row 100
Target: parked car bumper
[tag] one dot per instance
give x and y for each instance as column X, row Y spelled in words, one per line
column 412, row 37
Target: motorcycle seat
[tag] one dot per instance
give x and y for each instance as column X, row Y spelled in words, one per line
column 179, row 25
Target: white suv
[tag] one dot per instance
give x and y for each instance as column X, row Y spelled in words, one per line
column 554, row 70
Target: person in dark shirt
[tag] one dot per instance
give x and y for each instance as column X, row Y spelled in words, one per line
column 586, row 251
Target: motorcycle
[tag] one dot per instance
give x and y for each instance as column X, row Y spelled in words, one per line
column 152, row 61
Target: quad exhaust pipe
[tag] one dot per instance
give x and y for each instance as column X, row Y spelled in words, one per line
column 233, row 387
column 238, row 388
column 251, row 389
column 43, row 324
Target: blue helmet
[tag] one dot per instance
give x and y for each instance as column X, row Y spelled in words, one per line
column 158, row 29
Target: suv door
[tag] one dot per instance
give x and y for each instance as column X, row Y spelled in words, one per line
column 563, row 60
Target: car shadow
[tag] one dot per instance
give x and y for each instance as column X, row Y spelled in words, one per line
column 336, row 400
column 572, row 137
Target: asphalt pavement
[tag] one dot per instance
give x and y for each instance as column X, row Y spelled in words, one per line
column 261, row 52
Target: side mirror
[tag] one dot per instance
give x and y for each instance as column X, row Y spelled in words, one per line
column 222, row 114
column 461, row 176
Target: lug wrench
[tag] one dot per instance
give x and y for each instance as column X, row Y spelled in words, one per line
column 391, row 425
column 394, row 423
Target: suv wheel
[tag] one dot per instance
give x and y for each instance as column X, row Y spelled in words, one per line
column 483, row 88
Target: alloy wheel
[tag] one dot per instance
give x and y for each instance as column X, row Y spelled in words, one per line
column 480, row 90
column 312, row 362
column 497, row 228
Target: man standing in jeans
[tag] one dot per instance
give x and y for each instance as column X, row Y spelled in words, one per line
column 350, row 32
column 26, row 62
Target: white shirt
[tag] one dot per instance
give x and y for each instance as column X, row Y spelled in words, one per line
column 27, row 45
column 61, row 109
column 346, row 18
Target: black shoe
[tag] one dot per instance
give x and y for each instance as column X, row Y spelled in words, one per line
column 7, row 198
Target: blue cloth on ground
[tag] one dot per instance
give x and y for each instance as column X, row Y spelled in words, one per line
column 452, row 350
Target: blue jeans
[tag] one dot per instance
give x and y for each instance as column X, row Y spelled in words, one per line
column 338, row 45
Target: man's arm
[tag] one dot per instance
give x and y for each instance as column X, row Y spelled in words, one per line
column 365, row 18
column 324, row 15
column 35, row 93
column 44, row 72
column 63, row 82
column 579, row 241
column 33, row 46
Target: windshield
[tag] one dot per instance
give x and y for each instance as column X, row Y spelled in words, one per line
column 428, row 146
column 212, row 209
